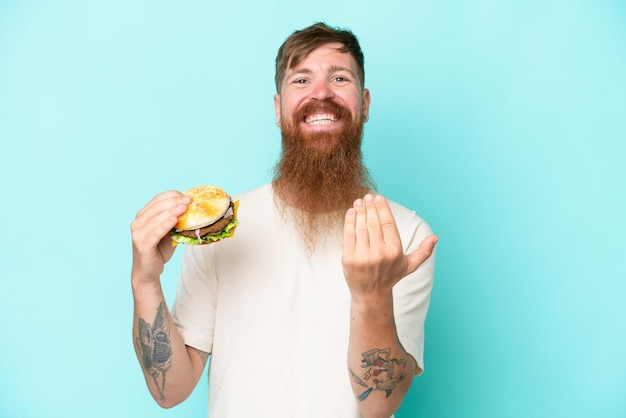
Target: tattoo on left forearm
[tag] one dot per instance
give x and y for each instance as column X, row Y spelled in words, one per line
column 379, row 372
column 155, row 347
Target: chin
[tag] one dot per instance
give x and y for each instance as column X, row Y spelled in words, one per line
column 322, row 141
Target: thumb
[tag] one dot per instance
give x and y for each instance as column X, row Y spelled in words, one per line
column 425, row 250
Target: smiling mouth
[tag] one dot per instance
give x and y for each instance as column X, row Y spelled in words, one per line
column 321, row 119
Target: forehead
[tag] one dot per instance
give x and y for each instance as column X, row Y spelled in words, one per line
column 325, row 57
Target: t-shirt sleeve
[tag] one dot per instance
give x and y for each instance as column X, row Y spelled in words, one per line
column 412, row 293
column 193, row 310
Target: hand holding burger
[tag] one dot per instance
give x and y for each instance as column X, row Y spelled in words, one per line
column 211, row 216
column 173, row 217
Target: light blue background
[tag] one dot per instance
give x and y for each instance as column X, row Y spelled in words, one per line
column 501, row 122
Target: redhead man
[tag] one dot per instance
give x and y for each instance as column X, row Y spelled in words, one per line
column 316, row 307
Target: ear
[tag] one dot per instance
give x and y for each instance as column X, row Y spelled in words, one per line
column 366, row 104
column 277, row 108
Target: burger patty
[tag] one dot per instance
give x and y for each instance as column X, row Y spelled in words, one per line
column 213, row 229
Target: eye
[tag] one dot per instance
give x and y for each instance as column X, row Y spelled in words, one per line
column 300, row 81
column 340, row 79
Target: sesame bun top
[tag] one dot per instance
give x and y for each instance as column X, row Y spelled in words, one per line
column 208, row 205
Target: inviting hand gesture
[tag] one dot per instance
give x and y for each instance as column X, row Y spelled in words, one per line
column 373, row 259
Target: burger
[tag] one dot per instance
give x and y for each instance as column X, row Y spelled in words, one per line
column 211, row 216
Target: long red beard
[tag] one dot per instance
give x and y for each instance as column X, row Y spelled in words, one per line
column 320, row 175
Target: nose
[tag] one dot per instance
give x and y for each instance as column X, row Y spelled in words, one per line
column 322, row 91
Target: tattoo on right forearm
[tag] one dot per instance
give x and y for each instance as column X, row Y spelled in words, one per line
column 155, row 347
column 380, row 369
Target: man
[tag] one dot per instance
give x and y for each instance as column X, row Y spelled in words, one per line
column 312, row 309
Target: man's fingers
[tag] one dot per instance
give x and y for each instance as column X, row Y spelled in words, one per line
column 370, row 223
column 157, row 218
column 355, row 229
column 375, row 233
column 158, row 227
column 360, row 224
column 389, row 230
column 349, row 235
column 419, row 256
column 158, row 201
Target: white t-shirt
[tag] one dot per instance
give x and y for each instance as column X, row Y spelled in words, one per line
column 276, row 318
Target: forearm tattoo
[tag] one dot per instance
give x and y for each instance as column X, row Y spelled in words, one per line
column 154, row 345
column 378, row 373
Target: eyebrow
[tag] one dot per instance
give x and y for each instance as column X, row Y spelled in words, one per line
column 338, row 68
column 332, row 69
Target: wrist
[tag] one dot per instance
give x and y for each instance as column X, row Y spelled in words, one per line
column 143, row 286
column 371, row 295
column 378, row 306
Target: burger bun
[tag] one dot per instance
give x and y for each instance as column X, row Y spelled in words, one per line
column 208, row 205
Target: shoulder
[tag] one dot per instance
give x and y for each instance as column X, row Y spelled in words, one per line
column 256, row 201
column 263, row 192
column 254, row 193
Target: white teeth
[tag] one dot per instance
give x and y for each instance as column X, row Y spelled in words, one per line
column 321, row 119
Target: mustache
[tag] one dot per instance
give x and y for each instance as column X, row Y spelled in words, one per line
column 325, row 105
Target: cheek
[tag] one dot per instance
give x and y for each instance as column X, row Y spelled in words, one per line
column 291, row 107
column 354, row 102
column 288, row 106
